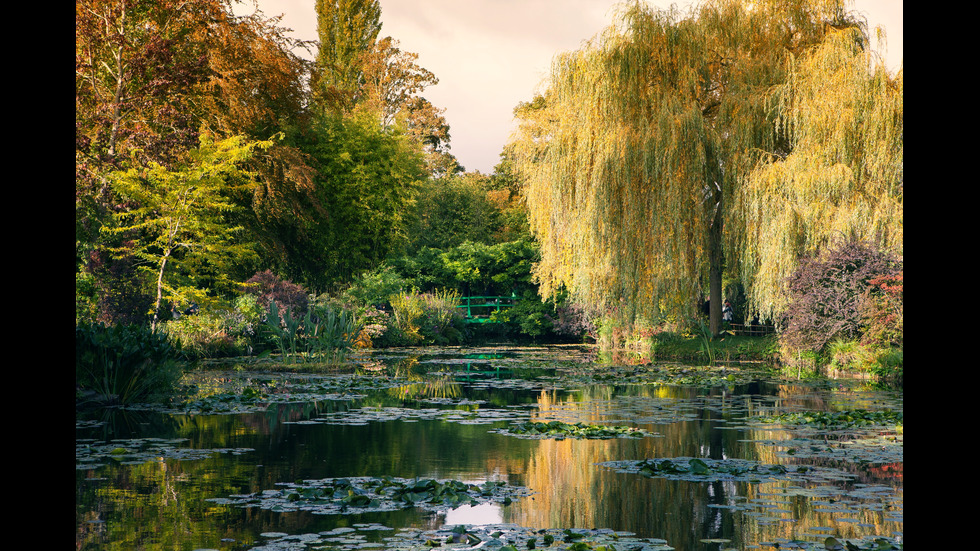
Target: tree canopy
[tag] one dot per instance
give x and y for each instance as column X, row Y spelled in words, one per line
column 326, row 197
column 178, row 226
column 347, row 30
column 842, row 180
column 636, row 158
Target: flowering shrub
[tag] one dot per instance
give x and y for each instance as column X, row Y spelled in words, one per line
column 883, row 310
column 374, row 325
column 573, row 321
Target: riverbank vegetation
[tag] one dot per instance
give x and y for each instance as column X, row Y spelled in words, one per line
column 234, row 198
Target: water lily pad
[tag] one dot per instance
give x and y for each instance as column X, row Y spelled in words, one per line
column 559, row 429
column 365, row 494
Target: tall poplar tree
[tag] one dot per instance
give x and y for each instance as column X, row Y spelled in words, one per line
column 347, row 30
column 632, row 157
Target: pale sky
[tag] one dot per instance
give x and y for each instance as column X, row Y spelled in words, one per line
column 489, row 55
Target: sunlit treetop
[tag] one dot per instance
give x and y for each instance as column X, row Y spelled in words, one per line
column 634, row 157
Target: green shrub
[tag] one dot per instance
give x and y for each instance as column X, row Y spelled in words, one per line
column 441, row 321
column 202, row 335
column 124, row 363
column 405, row 321
column 375, row 287
column 221, row 331
column 529, row 317
column 850, row 355
column 423, row 318
column 890, row 365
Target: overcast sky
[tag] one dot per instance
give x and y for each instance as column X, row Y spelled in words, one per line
column 491, row 54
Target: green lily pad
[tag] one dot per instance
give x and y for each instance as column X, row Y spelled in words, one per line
column 365, row 494
column 559, row 429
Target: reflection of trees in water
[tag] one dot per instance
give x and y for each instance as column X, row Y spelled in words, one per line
column 443, row 387
column 573, row 492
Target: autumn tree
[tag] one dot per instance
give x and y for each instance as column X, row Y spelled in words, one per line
column 136, row 72
column 393, row 82
column 150, row 76
column 633, row 156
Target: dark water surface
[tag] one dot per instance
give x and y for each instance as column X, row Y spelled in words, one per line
column 175, row 479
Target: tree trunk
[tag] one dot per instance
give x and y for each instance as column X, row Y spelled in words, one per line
column 716, row 261
column 156, row 305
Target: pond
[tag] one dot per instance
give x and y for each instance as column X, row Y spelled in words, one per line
column 494, row 448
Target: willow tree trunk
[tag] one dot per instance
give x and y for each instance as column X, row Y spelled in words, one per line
column 716, row 263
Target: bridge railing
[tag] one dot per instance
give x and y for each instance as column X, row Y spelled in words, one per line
column 484, row 305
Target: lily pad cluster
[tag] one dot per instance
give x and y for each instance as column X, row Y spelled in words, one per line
column 876, row 543
column 90, row 454
column 365, row 415
column 856, row 418
column 331, row 496
column 560, row 430
column 705, row 469
column 499, row 537
column 246, row 393
column 667, row 374
column 872, row 449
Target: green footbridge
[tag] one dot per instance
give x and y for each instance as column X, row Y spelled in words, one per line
column 479, row 309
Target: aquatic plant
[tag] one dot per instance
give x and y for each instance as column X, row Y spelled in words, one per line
column 839, row 419
column 124, row 363
column 358, row 495
column 706, row 345
column 329, row 333
column 705, row 470
column 322, row 334
column 560, row 430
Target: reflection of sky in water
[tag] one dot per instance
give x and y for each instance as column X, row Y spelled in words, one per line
column 486, row 513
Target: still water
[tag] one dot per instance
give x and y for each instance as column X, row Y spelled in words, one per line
column 204, row 474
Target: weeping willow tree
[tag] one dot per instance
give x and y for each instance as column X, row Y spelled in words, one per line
column 633, row 157
column 842, row 113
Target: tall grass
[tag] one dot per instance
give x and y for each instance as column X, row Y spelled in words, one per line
column 324, row 334
column 426, row 318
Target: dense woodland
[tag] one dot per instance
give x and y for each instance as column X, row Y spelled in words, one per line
column 231, row 194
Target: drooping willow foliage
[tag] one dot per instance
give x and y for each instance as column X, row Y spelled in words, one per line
column 634, row 157
column 843, row 180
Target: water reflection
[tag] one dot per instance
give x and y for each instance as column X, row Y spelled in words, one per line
column 163, row 502
column 478, row 515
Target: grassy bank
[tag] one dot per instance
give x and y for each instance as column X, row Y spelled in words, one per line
column 694, row 349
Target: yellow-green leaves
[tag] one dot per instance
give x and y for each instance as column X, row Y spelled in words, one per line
column 176, row 221
column 843, row 118
column 660, row 122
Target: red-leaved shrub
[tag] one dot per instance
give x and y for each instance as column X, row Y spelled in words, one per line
column 828, row 294
column 268, row 287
